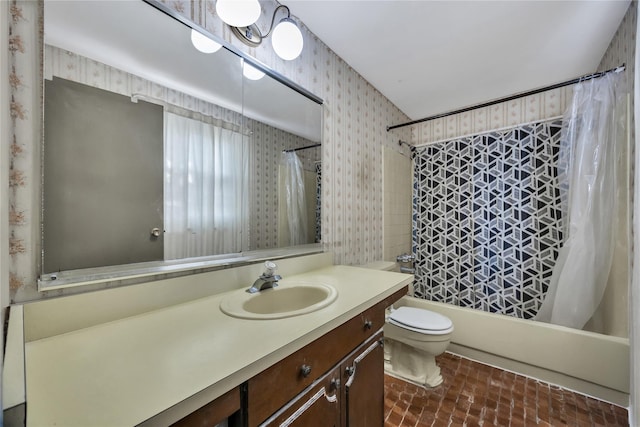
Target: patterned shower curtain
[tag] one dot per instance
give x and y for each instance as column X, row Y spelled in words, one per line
column 487, row 219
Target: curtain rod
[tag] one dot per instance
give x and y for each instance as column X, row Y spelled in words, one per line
column 301, row 148
column 190, row 114
column 512, row 97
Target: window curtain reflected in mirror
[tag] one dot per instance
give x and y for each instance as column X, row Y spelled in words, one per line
column 206, row 196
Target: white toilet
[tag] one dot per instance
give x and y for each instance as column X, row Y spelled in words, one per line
column 413, row 339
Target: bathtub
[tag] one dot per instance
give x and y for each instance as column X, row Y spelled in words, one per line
column 593, row 364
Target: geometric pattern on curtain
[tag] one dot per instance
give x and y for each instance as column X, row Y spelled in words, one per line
column 318, row 238
column 487, row 219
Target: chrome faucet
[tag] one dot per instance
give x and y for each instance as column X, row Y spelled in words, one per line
column 267, row 280
column 406, row 258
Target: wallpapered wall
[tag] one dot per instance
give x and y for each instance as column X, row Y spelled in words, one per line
column 612, row 316
column 354, row 132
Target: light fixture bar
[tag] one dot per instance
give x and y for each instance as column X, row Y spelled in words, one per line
column 286, row 37
column 248, row 58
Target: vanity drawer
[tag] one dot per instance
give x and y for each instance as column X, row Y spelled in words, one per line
column 278, row 384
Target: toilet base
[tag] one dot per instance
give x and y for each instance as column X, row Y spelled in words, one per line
column 389, row 371
column 410, row 364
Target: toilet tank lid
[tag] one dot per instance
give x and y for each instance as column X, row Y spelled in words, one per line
column 420, row 318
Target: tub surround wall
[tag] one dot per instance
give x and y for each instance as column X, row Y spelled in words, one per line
column 397, row 203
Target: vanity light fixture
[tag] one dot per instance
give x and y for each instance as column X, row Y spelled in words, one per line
column 238, row 13
column 203, row 43
column 286, row 37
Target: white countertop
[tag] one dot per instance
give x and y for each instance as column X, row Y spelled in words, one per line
column 175, row 359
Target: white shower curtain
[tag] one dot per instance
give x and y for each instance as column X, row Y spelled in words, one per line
column 296, row 205
column 592, row 128
column 205, row 188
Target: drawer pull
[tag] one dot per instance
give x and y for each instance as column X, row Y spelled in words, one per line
column 321, row 393
column 305, row 370
column 368, row 324
column 351, row 370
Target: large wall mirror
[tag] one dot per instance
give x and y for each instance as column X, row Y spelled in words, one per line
column 158, row 155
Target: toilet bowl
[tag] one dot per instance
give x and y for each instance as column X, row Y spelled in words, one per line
column 413, row 337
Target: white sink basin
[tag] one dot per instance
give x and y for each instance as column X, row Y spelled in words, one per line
column 286, row 300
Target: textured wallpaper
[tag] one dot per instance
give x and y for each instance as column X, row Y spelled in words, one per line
column 25, row 77
column 612, row 316
column 523, row 110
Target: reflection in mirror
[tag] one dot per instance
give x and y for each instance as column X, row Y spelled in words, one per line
column 157, row 152
column 284, row 215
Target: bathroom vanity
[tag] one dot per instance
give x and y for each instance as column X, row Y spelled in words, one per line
column 336, row 380
column 187, row 361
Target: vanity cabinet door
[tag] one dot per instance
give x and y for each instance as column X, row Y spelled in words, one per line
column 317, row 406
column 363, row 385
column 276, row 386
column 271, row 389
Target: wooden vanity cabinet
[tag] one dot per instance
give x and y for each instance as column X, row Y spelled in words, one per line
column 363, row 385
column 350, row 394
column 354, row 349
column 320, row 405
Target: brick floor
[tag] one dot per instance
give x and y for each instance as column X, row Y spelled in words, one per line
column 474, row 394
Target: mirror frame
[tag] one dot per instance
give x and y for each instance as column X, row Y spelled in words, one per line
column 127, row 274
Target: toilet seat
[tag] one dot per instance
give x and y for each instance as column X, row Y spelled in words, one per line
column 421, row 321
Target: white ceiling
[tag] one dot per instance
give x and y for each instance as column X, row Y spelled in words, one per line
column 429, row 57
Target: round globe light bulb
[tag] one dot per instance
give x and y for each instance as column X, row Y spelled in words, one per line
column 251, row 72
column 203, row 43
column 287, row 40
column 238, row 13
